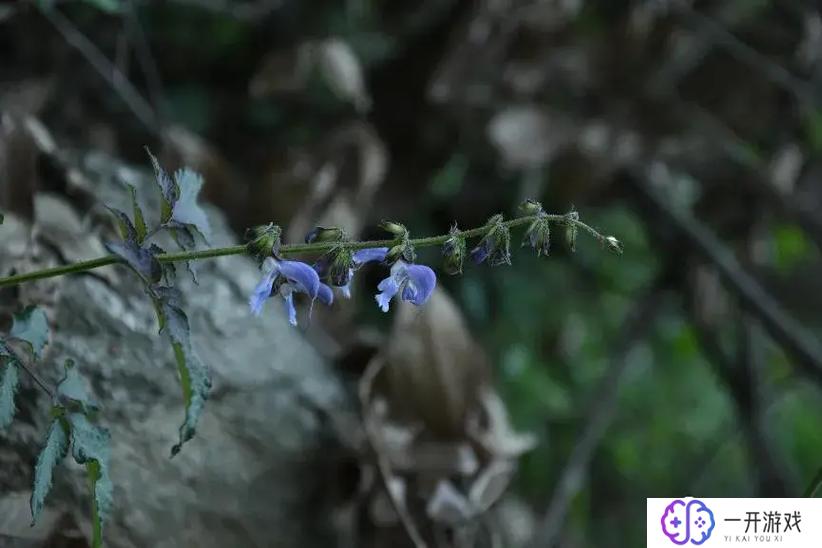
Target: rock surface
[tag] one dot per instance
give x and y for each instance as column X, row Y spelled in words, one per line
column 251, row 476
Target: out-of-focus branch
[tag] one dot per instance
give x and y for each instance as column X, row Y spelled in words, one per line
column 366, row 386
column 110, row 73
column 774, row 72
column 740, row 375
column 600, row 416
column 786, row 331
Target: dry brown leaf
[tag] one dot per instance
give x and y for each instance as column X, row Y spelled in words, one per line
column 436, row 370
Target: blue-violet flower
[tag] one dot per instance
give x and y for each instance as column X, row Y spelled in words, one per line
column 413, row 282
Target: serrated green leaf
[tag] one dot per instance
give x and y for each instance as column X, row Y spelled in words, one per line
column 186, row 210
column 139, row 220
column 168, row 189
column 195, row 378
column 72, row 392
column 90, row 445
column 9, row 379
column 141, row 260
column 32, row 327
column 52, row 454
column 127, row 229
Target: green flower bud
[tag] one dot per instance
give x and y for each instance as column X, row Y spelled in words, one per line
column 394, row 228
column 530, row 207
column 454, row 251
column 495, row 245
column 538, row 235
column 614, row 245
column 571, row 229
column 325, row 234
column 263, row 240
column 340, row 267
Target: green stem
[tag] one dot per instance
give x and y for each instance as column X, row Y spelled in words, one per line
column 286, row 250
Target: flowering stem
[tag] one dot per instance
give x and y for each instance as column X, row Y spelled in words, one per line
column 285, row 249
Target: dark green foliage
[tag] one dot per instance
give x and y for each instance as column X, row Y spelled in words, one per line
column 31, row 327
column 90, row 446
column 9, row 378
column 53, row 453
column 195, row 378
column 186, row 221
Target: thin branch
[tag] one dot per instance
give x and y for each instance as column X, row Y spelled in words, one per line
column 110, row 73
column 774, row 72
column 289, row 249
column 786, row 331
column 640, row 320
column 365, row 389
column 145, row 57
column 35, row 377
column 739, row 375
column 815, row 485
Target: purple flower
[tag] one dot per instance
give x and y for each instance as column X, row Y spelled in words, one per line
column 413, row 282
column 287, row 278
column 359, row 258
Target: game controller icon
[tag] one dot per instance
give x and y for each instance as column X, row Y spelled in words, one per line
column 685, row 521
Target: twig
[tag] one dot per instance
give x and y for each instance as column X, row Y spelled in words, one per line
column 786, row 331
column 145, row 57
column 774, row 72
column 286, row 250
column 35, row 377
column 739, row 375
column 815, row 485
column 131, row 97
column 365, row 388
column 641, row 318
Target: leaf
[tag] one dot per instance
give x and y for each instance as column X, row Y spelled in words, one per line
column 195, row 378
column 127, row 229
column 90, row 445
column 343, row 72
column 32, row 327
column 139, row 220
column 54, row 451
column 72, row 392
column 9, row 377
column 168, row 189
column 140, row 259
column 186, row 210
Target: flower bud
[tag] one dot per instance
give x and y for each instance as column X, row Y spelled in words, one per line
column 263, row 240
column 614, row 245
column 402, row 250
column 454, row 251
column 538, row 235
column 530, row 207
column 571, row 229
column 394, row 228
column 325, row 234
column 341, row 266
column 495, row 245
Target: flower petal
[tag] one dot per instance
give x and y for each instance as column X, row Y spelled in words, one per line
column 480, row 253
column 302, row 276
column 388, row 288
column 369, row 255
column 288, row 301
column 325, row 295
column 263, row 289
column 346, row 289
column 421, row 283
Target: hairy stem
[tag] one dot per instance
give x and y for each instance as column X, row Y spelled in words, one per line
column 286, row 250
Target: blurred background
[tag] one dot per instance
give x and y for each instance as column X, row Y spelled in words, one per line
column 538, row 403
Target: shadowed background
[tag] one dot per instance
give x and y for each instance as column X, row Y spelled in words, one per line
column 538, row 403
